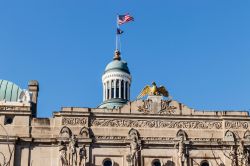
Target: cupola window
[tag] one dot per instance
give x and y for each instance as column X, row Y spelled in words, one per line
column 112, row 89
column 122, row 89
column 108, row 90
column 117, row 88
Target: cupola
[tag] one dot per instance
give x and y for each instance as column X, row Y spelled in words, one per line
column 116, row 81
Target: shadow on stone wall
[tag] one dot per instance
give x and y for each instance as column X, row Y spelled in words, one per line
column 169, row 163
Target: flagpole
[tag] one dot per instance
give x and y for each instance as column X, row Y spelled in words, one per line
column 117, row 27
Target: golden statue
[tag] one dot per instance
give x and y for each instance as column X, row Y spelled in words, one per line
column 154, row 90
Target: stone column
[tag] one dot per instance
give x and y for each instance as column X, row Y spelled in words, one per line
column 103, row 92
column 106, row 91
column 124, row 89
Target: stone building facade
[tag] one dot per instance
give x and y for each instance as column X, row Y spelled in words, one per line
column 154, row 131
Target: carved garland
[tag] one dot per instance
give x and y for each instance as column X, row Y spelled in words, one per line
column 156, row 124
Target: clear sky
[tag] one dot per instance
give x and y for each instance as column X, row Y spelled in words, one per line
column 198, row 49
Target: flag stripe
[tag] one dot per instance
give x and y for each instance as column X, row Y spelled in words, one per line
column 124, row 19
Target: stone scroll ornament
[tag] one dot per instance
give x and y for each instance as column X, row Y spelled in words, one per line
column 135, row 148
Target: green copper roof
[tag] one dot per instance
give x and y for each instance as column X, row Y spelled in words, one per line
column 113, row 103
column 117, row 65
column 9, row 91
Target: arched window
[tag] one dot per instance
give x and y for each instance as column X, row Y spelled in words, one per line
column 107, row 162
column 108, row 87
column 112, row 89
column 204, row 163
column 122, row 89
column 156, row 162
column 117, row 88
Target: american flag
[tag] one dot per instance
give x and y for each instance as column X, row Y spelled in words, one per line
column 124, row 18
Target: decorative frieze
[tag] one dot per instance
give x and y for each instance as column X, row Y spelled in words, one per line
column 156, row 139
column 206, row 139
column 10, row 108
column 236, row 125
column 7, row 108
column 74, row 121
column 110, row 137
column 156, row 124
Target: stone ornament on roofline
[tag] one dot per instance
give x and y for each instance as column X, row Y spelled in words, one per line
column 155, row 103
column 25, row 96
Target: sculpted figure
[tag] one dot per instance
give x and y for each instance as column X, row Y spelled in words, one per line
column 181, row 151
column 82, row 155
column 243, row 155
column 63, row 154
column 73, row 153
column 134, row 149
column 247, row 158
column 233, row 156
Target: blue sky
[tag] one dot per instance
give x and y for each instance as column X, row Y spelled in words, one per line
column 200, row 50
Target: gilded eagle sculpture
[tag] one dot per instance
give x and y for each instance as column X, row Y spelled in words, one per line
column 154, row 91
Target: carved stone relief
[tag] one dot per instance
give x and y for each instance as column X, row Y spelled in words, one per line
column 74, row 121
column 3, row 108
column 84, row 132
column 82, row 156
column 182, row 133
column 236, row 125
column 181, row 148
column 65, row 133
column 135, row 147
column 156, row 123
column 70, row 154
column 63, row 154
column 166, row 107
column 229, row 136
column 247, row 135
column 160, row 107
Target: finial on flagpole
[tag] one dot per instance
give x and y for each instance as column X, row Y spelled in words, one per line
column 117, row 55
